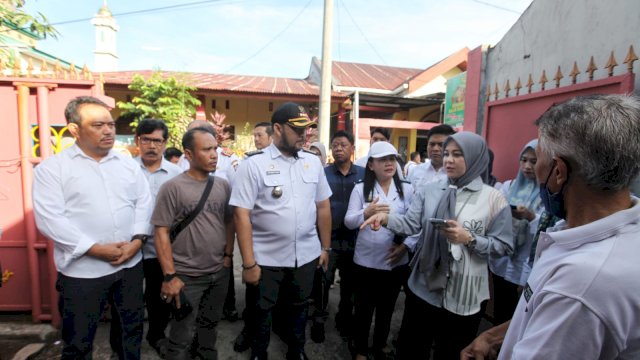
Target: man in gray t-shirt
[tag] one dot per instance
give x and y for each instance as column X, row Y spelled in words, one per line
column 198, row 262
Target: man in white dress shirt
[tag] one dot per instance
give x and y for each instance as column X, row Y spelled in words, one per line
column 581, row 299
column 95, row 205
column 151, row 138
column 432, row 170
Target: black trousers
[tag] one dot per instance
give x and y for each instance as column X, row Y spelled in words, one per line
column 82, row 302
column 295, row 284
column 424, row 324
column 338, row 260
column 505, row 299
column 375, row 291
column 158, row 311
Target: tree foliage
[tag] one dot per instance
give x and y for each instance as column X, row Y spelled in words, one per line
column 13, row 17
column 164, row 98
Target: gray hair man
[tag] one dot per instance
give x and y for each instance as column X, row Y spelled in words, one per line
column 581, row 299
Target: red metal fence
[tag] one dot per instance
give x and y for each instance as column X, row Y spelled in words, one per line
column 33, row 128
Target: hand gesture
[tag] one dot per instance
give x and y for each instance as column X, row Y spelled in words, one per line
column 522, row 212
column 375, row 208
column 376, row 221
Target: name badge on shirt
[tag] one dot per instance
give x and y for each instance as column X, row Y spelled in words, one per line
column 527, row 292
column 273, row 172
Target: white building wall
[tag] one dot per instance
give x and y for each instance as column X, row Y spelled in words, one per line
column 552, row 33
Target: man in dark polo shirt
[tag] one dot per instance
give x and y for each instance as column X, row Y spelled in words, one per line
column 342, row 175
column 198, row 262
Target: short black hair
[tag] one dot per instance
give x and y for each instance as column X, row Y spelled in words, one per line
column 414, row 155
column 171, row 152
column 344, row 134
column 442, row 129
column 383, row 131
column 267, row 126
column 71, row 110
column 187, row 138
column 147, row 126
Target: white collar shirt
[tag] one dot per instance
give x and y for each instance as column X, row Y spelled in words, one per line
column 582, row 298
column 79, row 202
column 284, row 227
column 425, row 173
column 372, row 247
column 166, row 171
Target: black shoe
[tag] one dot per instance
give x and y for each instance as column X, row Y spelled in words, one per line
column 297, row 356
column 317, row 333
column 230, row 315
column 242, row 342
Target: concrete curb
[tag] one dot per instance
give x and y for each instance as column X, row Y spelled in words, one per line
column 27, row 332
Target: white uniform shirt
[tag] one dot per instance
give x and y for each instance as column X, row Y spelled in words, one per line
column 79, row 202
column 425, row 173
column 372, row 247
column 225, row 168
column 166, row 171
column 582, row 299
column 284, row 228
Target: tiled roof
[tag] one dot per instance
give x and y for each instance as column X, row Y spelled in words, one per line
column 371, row 76
column 227, row 83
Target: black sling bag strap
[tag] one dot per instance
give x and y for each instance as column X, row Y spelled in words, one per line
column 178, row 227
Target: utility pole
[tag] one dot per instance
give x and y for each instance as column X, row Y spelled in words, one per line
column 324, row 116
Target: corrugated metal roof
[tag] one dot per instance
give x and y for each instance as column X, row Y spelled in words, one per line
column 371, row 76
column 230, row 83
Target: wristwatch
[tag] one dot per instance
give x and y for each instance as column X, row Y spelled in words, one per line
column 472, row 243
column 168, row 277
column 327, row 249
column 142, row 237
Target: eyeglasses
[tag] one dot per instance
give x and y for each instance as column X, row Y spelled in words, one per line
column 147, row 141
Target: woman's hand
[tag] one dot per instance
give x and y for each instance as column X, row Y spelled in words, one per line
column 376, row 221
column 455, row 233
column 522, row 212
column 375, row 208
column 396, row 252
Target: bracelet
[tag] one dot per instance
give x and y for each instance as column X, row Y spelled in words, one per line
column 327, row 249
column 228, row 255
column 249, row 267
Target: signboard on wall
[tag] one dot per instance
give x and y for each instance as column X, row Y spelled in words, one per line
column 454, row 101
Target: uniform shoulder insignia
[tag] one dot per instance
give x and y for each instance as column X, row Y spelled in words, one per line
column 226, row 152
column 308, row 152
column 405, row 181
column 255, row 152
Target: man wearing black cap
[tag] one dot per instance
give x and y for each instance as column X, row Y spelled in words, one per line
column 276, row 227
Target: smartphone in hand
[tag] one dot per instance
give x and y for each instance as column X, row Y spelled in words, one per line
column 438, row 223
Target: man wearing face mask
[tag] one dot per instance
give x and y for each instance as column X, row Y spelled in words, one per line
column 280, row 194
column 581, row 299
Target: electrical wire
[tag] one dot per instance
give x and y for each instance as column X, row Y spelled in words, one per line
column 270, row 41
column 362, row 33
column 497, row 7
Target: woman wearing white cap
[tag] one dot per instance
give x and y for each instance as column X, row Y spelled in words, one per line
column 380, row 257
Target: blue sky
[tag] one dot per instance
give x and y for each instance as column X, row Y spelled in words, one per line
column 225, row 36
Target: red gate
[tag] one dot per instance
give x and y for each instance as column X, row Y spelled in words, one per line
column 33, row 128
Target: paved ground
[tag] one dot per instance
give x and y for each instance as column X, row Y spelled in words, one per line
column 333, row 347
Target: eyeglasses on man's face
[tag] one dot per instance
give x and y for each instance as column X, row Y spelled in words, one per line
column 147, row 141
